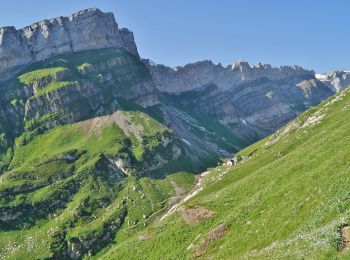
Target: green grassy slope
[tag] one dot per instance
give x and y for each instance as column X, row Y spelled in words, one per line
column 68, row 186
column 78, row 86
column 84, row 163
column 288, row 198
column 64, row 196
column 86, row 170
column 64, row 89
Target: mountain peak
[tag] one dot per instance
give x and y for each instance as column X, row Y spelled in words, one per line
column 336, row 80
column 85, row 11
column 84, row 30
column 240, row 64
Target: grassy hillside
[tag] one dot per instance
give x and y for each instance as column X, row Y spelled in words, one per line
column 68, row 88
column 77, row 86
column 81, row 160
column 86, row 158
column 90, row 161
column 69, row 190
column 288, row 198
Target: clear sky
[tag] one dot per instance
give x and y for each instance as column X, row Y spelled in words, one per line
column 312, row 33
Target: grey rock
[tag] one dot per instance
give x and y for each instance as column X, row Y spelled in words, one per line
column 196, row 75
column 336, row 80
column 261, row 96
column 250, row 101
column 84, row 30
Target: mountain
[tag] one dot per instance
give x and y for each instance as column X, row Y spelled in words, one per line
column 79, row 152
column 252, row 101
column 336, row 80
column 85, row 30
column 286, row 197
column 95, row 142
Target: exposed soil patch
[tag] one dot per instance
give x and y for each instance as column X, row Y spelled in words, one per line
column 144, row 237
column 179, row 193
column 196, row 214
column 178, row 190
column 196, row 189
column 215, row 234
column 345, row 236
column 121, row 119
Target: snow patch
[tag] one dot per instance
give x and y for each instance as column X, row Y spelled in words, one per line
column 243, row 121
column 321, row 76
column 184, row 140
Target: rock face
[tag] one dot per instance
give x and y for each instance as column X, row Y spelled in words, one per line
column 196, row 75
column 214, row 110
column 336, row 80
column 251, row 101
column 84, row 30
column 89, row 132
column 240, row 95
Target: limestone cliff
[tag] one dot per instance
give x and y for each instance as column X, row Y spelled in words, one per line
column 84, row 30
column 336, row 80
column 196, row 75
column 84, row 66
column 259, row 95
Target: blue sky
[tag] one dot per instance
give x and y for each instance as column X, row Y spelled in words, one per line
column 311, row 33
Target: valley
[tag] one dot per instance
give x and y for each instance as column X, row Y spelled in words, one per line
column 106, row 155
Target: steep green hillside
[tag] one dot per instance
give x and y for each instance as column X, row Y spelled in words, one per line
column 287, row 198
column 69, row 190
column 85, row 155
column 69, row 88
column 92, row 155
column 77, row 86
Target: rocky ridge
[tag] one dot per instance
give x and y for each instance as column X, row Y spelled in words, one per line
column 196, row 75
column 246, row 96
column 249, row 101
column 337, row 80
column 95, row 140
column 84, row 30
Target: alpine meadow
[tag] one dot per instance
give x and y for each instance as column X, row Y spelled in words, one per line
column 105, row 154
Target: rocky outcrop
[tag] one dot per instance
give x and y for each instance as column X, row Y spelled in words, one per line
column 84, row 30
column 336, row 80
column 196, row 75
column 199, row 101
column 76, row 247
column 258, row 98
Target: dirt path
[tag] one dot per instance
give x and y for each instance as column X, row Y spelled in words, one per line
column 196, row 189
